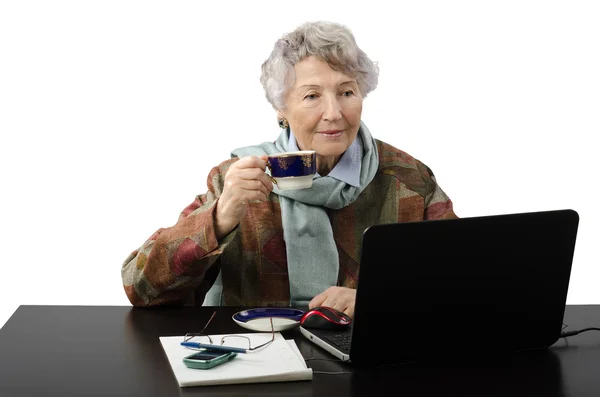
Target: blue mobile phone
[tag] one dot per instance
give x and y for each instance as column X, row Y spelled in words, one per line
column 206, row 359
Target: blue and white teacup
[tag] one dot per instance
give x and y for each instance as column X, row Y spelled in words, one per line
column 293, row 170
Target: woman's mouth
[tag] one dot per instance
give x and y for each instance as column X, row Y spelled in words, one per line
column 331, row 133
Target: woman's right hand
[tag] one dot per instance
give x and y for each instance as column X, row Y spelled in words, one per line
column 245, row 180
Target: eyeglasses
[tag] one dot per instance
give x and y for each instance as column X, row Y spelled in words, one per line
column 200, row 346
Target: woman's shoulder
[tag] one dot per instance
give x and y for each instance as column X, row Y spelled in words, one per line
column 404, row 167
column 390, row 156
column 223, row 166
column 216, row 175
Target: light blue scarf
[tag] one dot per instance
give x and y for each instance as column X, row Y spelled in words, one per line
column 312, row 257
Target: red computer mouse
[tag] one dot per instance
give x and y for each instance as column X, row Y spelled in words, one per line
column 325, row 318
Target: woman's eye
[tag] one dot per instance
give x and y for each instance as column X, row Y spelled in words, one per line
column 348, row 93
column 311, row 96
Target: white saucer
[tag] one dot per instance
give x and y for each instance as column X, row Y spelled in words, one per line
column 259, row 319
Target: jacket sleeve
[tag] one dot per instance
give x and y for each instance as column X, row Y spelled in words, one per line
column 174, row 261
column 437, row 204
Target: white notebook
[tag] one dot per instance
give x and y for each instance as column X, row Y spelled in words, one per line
column 280, row 361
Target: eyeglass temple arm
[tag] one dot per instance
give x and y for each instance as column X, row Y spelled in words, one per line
column 208, row 322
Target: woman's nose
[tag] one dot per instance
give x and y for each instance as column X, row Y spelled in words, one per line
column 332, row 110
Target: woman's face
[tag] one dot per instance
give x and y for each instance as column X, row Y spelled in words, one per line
column 323, row 108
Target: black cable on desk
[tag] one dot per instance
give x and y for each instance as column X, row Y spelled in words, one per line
column 576, row 332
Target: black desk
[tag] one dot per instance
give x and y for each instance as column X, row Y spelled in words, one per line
column 115, row 351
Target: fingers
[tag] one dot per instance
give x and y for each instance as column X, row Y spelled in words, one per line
column 247, row 180
column 334, row 304
column 317, row 300
column 255, row 174
column 350, row 311
column 252, row 162
column 327, row 298
column 339, row 298
column 345, row 306
column 251, row 186
column 249, row 189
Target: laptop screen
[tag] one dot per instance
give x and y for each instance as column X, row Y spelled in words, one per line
column 494, row 283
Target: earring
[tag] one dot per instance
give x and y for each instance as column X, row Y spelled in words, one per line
column 283, row 123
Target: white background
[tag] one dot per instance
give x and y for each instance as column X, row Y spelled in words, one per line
column 113, row 112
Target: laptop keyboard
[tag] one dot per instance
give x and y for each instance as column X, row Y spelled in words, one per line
column 340, row 341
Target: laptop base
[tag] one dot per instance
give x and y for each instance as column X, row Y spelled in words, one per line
column 326, row 340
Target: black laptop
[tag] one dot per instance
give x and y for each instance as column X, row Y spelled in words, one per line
column 478, row 287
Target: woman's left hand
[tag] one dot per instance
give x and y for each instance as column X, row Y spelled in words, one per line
column 339, row 298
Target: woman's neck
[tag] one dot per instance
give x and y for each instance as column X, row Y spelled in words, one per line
column 326, row 163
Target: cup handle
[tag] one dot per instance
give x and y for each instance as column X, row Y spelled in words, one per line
column 272, row 179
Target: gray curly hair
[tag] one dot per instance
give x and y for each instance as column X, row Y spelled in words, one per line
column 329, row 41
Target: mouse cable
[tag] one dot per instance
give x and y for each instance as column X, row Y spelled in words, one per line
column 576, row 332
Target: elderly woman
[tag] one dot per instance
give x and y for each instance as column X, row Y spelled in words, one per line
column 247, row 243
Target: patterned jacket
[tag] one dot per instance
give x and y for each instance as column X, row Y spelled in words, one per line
column 179, row 264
